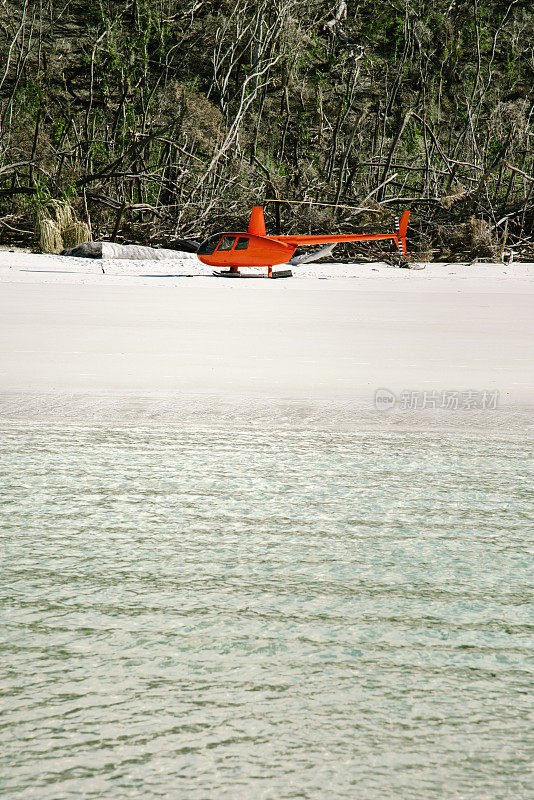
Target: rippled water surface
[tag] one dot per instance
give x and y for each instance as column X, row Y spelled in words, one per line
column 204, row 613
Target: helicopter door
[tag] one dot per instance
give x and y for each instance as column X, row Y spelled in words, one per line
column 227, row 242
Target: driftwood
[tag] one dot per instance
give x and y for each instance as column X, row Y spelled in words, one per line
column 128, row 251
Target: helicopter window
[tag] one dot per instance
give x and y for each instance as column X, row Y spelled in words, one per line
column 242, row 243
column 227, row 242
column 208, row 247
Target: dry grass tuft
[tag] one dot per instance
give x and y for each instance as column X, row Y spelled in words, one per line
column 75, row 234
column 58, row 227
column 49, row 233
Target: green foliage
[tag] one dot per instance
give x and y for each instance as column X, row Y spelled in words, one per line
column 174, row 92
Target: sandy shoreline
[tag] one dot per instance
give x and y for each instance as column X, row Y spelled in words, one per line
column 24, row 267
column 335, row 333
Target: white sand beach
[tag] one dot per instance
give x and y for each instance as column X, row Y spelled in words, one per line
column 333, row 331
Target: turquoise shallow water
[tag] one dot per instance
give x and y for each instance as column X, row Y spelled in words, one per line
column 211, row 613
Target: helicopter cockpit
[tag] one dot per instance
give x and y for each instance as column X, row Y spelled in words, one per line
column 222, row 242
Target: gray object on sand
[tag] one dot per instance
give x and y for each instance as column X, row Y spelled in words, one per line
column 130, row 251
column 305, row 258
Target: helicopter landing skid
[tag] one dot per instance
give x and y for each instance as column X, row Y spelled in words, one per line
column 281, row 273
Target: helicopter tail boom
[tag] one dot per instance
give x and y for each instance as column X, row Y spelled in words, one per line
column 399, row 237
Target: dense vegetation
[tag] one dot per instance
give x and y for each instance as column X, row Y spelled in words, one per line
column 164, row 118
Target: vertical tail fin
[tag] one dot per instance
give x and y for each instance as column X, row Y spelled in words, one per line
column 256, row 226
column 403, row 227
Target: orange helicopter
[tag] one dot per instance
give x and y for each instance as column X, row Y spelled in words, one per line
column 255, row 249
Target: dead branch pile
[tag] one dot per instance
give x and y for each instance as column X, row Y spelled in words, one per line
column 165, row 118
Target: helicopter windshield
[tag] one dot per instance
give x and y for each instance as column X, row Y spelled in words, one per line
column 208, row 247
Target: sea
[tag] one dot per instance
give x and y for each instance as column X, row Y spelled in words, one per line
column 292, row 605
